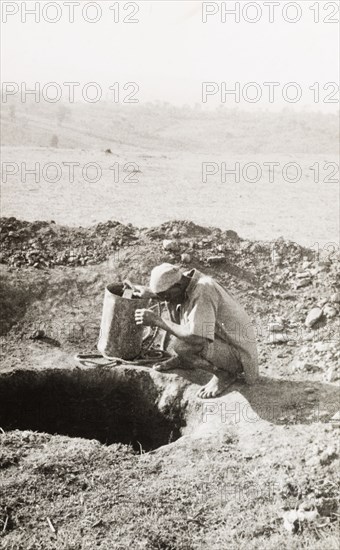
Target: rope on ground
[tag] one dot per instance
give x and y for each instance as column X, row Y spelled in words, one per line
column 150, row 357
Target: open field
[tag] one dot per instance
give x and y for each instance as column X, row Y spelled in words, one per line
column 170, row 185
column 167, row 147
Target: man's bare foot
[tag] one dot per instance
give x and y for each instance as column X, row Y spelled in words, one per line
column 216, row 386
column 169, row 364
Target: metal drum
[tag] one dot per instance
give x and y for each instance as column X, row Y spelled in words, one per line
column 119, row 335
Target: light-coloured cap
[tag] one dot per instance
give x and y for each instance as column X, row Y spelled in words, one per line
column 164, row 276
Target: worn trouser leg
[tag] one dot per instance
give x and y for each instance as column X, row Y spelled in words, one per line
column 218, row 358
column 213, row 357
column 223, row 356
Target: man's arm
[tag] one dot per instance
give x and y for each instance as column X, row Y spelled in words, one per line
column 183, row 332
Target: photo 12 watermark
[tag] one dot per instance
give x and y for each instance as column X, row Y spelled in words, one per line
column 269, row 92
column 71, row 12
column 70, row 92
column 57, row 332
column 239, row 491
column 229, row 12
column 278, row 412
column 37, row 173
column 271, row 171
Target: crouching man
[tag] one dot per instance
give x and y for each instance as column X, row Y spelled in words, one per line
column 209, row 329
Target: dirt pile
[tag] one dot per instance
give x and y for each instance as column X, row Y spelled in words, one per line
column 291, row 292
column 45, row 244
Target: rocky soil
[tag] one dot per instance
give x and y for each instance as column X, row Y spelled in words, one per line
column 52, row 285
column 292, row 293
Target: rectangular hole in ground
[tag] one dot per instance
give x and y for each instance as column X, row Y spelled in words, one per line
column 89, row 404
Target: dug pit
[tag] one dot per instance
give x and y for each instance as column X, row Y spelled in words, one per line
column 121, row 404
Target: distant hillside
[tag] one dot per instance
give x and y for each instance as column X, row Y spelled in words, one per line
column 167, row 128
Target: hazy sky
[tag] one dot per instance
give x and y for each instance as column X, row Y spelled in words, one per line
column 170, row 52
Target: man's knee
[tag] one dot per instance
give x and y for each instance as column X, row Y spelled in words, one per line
column 184, row 349
column 223, row 356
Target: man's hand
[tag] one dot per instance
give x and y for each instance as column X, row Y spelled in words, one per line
column 147, row 318
column 140, row 291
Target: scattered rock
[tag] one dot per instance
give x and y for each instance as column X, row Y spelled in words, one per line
column 293, row 519
column 185, row 258
column 303, row 275
column 296, row 365
column 215, row 259
column 170, row 245
column 335, row 298
column 331, row 375
column 300, row 283
column 322, row 302
column 308, row 338
column 309, row 367
column 322, row 347
column 37, row 335
column 291, row 522
column 313, row 316
column 288, row 296
column 278, row 338
column 276, row 258
column 328, row 456
column 276, row 326
column 329, row 311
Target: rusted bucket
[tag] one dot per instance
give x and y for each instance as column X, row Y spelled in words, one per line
column 119, row 335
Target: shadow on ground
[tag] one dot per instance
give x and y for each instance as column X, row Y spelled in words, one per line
column 275, row 401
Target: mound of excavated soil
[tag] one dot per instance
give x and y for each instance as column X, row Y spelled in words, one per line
column 44, row 286
column 46, row 244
